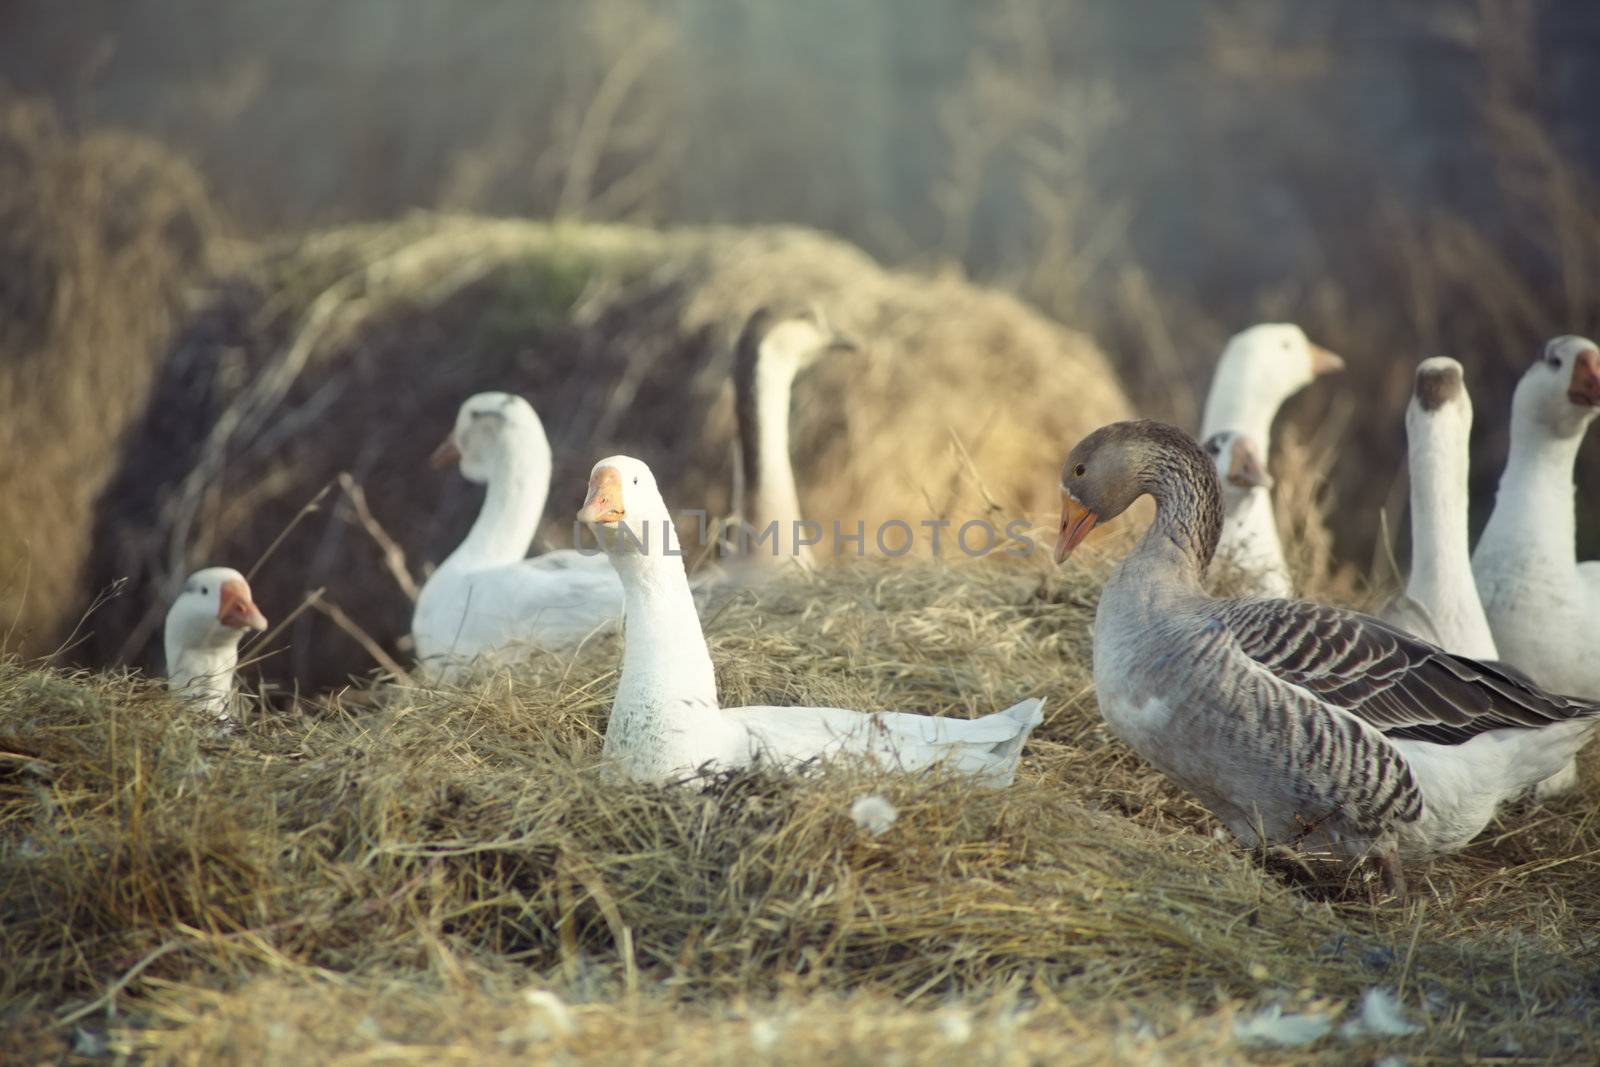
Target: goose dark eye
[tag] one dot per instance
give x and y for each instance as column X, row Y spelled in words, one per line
column 1078, row 470
column 1554, row 361
column 204, row 591
column 636, row 481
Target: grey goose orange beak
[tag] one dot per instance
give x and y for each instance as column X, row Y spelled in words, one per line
column 1076, row 522
column 446, row 455
column 1324, row 362
column 604, row 502
column 1244, row 467
column 1584, row 389
column 236, row 609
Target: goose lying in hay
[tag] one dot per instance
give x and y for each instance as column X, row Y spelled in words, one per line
column 487, row 597
column 666, row 722
column 203, row 628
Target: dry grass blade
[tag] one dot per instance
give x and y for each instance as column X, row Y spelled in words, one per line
column 452, row 848
column 394, row 557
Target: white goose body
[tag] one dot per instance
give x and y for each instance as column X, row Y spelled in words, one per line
column 1540, row 602
column 487, row 601
column 1542, row 605
column 1440, row 603
column 1249, row 528
column 203, row 627
column 1296, row 723
column 1260, row 368
column 666, row 723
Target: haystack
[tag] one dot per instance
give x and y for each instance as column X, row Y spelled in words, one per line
column 100, row 237
column 350, row 351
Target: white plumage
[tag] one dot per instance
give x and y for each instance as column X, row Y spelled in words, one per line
column 1542, row 605
column 487, row 600
column 666, row 722
column 1259, row 369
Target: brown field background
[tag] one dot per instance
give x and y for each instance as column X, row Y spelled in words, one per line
column 199, row 194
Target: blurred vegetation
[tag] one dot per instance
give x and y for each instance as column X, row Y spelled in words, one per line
column 1403, row 179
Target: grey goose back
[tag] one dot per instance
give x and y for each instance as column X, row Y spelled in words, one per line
column 1295, row 723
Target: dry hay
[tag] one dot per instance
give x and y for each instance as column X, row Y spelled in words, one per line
column 383, row 874
column 351, row 350
column 99, row 237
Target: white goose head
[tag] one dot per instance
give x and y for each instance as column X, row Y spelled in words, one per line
column 492, row 430
column 625, row 509
column 1560, row 394
column 1261, row 368
column 1440, row 407
column 213, row 611
column 1239, row 465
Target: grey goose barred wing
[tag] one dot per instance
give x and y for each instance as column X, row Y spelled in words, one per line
column 1400, row 685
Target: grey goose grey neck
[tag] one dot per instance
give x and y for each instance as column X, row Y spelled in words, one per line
column 1125, row 460
column 746, row 397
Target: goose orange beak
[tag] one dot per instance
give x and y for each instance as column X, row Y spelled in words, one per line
column 236, row 609
column 446, row 455
column 1324, row 362
column 1076, row 522
column 1584, row 389
column 604, row 502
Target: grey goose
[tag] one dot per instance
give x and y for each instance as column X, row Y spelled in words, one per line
column 1295, row 723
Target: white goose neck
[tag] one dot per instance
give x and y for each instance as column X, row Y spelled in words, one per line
column 1440, row 554
column 769, row 495
column 1534, row 505
column 203, row 675
column 513, row 504
column 666, row 667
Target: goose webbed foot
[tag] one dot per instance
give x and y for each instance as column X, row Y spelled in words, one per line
column 1389, row 870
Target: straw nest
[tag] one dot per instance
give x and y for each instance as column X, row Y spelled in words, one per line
column 421, row 876
column 99, row 238
column 350, row 351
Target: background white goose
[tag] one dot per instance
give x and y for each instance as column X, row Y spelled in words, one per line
column 1440, row 603
column 204, row 625
column 1543, row 607
column 486, row 598
column 666, row 722
column 1294, row 722
column 1259, row 369
column 1248, row 525
column 771, row 352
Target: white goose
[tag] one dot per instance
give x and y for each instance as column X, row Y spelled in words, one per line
column 1542, row 605
column 1248, row 528
column 202, row 633
column 1259, row 369
column 666, row 722
column 1440, row 603
column 771, row 352
column 486, row 600
column 1294, row 722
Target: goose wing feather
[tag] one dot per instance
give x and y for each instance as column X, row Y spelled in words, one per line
column 1402, row 686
